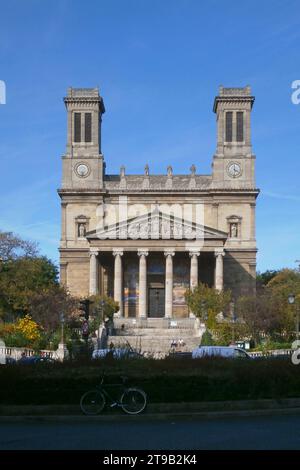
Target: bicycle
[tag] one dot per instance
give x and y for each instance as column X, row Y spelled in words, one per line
column 132, row 400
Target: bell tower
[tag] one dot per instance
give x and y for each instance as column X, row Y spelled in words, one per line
column 233, row 163
column 83, row 164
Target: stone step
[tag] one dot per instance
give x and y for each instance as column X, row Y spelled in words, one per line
column 154, row 336
column 184, row 323
column 161, row 344
column 170, row 332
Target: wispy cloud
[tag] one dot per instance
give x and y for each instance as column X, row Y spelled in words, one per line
column 289, row 197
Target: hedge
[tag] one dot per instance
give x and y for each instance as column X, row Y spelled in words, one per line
column 169, row 380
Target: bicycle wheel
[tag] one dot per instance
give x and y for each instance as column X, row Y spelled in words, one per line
column 133, row 401
column 92, row 402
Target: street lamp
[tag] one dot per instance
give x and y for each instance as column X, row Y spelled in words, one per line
column 62, row 351
column 62, row 321
column 291, row 301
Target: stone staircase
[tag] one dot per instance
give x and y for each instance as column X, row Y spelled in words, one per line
column 153, row 337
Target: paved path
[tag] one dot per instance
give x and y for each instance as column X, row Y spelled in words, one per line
column 264, row 432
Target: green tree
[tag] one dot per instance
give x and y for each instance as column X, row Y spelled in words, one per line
column 206, row 303
column 20, row 279
column 47, row 305
column 207, row 339
column 262, row 279
column 103, row 308
column 286, row 282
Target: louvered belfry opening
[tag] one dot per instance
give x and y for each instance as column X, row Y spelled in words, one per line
column 228, row 131
column 88, row 127
column 239, row 126
column 77, row 127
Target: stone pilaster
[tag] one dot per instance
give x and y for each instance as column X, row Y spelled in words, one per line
column 234, row 126
column 118, row 288
column 63, row 221
column 252, row 220
column 215, row 210
column 143, row 283
column 63, row 273
column 169, row 283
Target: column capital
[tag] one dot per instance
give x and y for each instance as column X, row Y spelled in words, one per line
column 194, row 253
column 118, row 251
column 143, row 251
column 94, row 251
column 219, row 252
column 169, row 252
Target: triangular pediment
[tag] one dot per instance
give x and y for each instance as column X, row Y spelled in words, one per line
column 156, row 225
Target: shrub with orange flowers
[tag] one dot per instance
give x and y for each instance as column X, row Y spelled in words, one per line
column 28, row 328
column 25, row 332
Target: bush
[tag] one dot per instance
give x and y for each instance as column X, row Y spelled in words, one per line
column 271, row 345
column 167, row 380
column 207, row 339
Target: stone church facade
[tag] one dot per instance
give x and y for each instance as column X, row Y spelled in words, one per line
column 144, row 239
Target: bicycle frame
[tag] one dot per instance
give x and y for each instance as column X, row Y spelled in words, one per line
column 112, row 400
column 131, row 399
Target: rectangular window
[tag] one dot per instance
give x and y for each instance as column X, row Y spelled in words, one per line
column 239, row 127
column 77, row 127
column 88, row 127
column 228, row 127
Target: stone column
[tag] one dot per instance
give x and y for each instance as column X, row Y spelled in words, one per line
column 169, row 283
column 143, row 283
column 118, row 292
column 219, row 253
column 194, row 269
column 93, row 271
column 194, row 273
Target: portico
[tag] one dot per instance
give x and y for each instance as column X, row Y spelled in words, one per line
column 152, row 285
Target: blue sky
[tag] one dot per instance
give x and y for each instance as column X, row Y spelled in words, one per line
column 158, row 64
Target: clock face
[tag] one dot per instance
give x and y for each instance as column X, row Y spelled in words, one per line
column 234, row 170
column 82, row 170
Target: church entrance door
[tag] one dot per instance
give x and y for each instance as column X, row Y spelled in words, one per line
column 156, row 302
